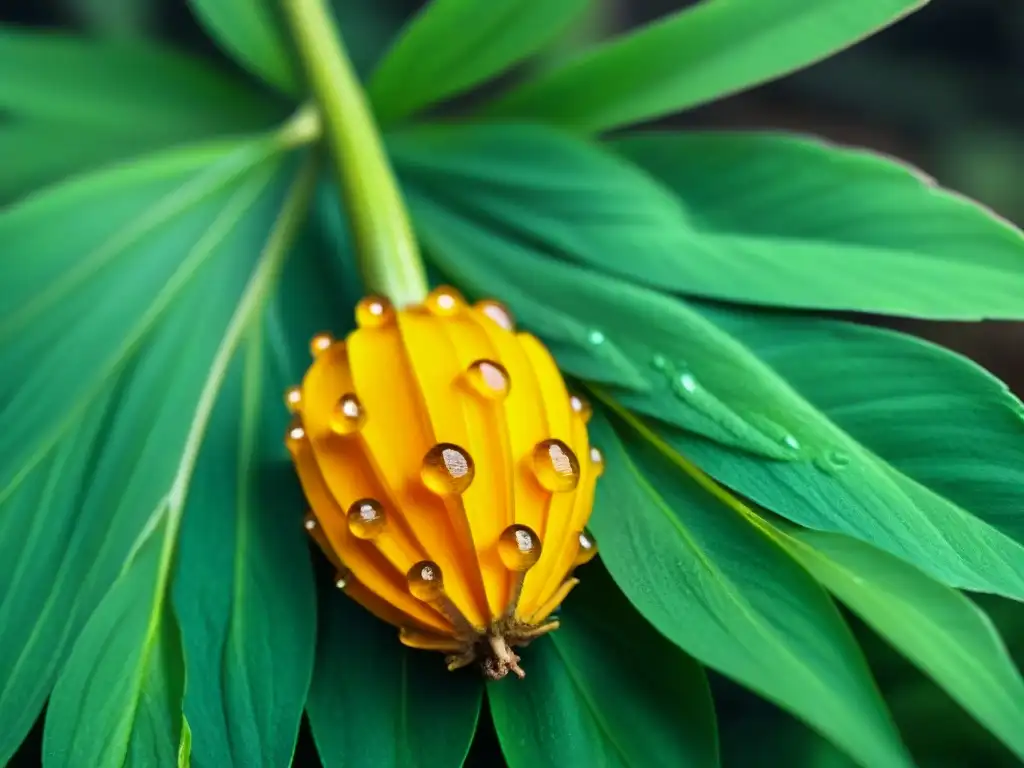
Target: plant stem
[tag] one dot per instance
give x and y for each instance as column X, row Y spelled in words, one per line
column 386, row 250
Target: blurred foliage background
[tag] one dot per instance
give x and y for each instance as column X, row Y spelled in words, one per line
column 943, row 90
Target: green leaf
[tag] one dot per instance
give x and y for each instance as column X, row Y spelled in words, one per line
column 699, row 54
column 838, row 484
column 605, row 689
column 243, row 586
column 375, row 702
column 145, row 254
column 937, row 417
column 118, row 701
column 795, row 222
column 726, row 593
column 39, row 153
column 453, row 45
column 703, row 379
column 250, row 31
column 937, row 628
column 124, row 87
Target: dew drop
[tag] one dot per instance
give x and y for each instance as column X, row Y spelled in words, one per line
column 489, row 379
column 832, row 461
column 444, row 301
column 686, row 384
column 374, row 312
column 497, row 312
column 519, row 548
column 659, row 362
column 586, row 548
column 791, row 442
column 425, row 581
column 595, row 337
column 597, row 460
column 293, row 399
column 556, row 466
column 581, row 405
column 342, row 578
column 447, row 469
column 366, row 519
column 309, row 523
column 295, row 435
column 320, row 344
column 348, row 415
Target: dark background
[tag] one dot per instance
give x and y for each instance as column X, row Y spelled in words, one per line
column 944, row 90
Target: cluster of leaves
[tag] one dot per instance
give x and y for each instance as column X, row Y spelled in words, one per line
column 170, row 245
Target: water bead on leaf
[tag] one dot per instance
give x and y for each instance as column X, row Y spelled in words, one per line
column 348, row 415
column 366, row 519
column 374, row 312
column 556, row 466
column 447, row 469
column 489, row 379
column 519, row 548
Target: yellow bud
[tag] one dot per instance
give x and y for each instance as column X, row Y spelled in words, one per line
column 437, row 440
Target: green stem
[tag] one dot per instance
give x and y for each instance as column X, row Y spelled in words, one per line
column 386, row 250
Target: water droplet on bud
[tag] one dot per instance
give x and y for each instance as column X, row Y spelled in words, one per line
column 366, row 519
column 497, row 312
column 444, row 301
column 489, row 379
column 556, row 466
column 374, row 312
column 597, row 460
column 581, row 405
column 295, row 435
column 342, row 578
column 425, row 581
column 447, row 469
column 519, row 548
column 320, row 344
column 348, row 415
column 293, row 399
column 309, row 523
column 587, row 548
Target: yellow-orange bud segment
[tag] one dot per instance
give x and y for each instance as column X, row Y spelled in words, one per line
column 449, row 473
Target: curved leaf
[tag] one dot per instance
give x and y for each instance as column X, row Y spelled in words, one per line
column 250, row 31
column 692, row 57
column 727, row 594
column 123, row 87
column 937, row 417
column 366, row 682
column 795, row 222
column 701, row 378
column 243, row 586
column 453, row 45
column 936, row 627
column 605, row 689
column 93, row 455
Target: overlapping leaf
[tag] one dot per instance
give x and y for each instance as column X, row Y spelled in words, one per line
column 366, row 684
column 700, row 378
column 605, row 689
column 103, row 311
column 935, row 416
column 243, row 586
column 699, row 54
column 453, row 45
column 730, row 596
column 936, row 627
column 123, row 87
column 794, row 222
